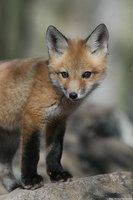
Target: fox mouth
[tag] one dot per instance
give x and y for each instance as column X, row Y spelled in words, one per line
column 74, row 100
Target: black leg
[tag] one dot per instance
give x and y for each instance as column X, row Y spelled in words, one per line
column 30, row 158
column 54, row 143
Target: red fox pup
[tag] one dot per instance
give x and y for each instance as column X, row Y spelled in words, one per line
column 38, row 95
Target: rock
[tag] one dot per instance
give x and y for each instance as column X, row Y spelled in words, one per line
column 114, row 185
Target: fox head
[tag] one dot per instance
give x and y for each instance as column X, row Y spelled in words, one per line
column 76, row 66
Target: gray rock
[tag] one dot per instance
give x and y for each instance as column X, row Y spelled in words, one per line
column 114, row 185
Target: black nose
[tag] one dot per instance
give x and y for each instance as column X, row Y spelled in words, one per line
column 73, row 95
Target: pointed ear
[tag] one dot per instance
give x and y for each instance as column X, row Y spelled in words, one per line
column 98, row 39
column 56, row 41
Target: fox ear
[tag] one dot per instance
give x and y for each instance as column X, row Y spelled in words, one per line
column 56, row 41
column 98, row 39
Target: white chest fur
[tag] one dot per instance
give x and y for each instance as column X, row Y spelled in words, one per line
column 53, row 111
column 63, row 109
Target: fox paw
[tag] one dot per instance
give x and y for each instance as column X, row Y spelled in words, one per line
column 32, row 183
column 60, row 176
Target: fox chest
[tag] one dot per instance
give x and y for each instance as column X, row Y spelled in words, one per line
column 58, row 111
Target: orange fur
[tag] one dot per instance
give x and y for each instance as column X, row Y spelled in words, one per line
column 26, row 90
column 36, row 95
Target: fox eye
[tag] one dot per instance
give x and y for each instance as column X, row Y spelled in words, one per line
column 64, row 74
column 86, row 74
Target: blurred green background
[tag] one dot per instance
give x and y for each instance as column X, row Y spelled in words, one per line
column 23, row 24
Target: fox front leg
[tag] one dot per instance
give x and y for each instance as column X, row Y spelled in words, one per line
column 54, row 144
column 30, row 157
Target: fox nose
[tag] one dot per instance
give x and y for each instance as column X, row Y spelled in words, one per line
column 73, row 95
